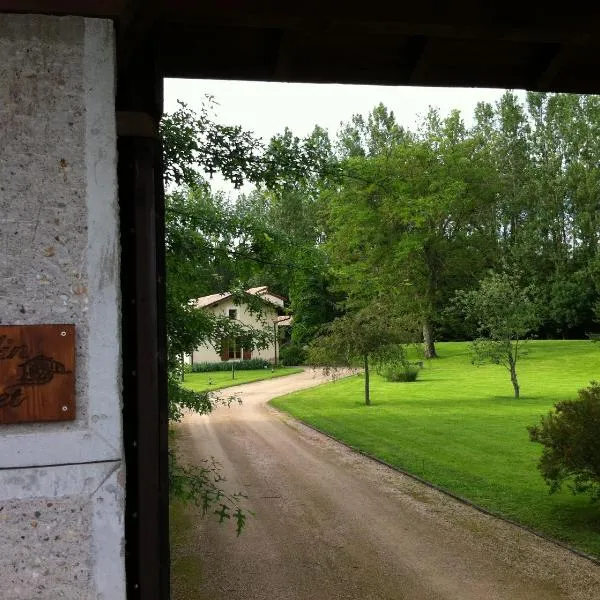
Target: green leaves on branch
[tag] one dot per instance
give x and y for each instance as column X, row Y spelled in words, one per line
column 196, row 147
column 571, row 444
column 202, row 485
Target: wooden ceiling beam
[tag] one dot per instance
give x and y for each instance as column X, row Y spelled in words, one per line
column 135, row 24
column 86, row 8
column 416, row 53
column 557, row 62
column 452, row 28
column 284, row 56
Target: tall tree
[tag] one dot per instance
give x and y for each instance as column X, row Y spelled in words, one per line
column 405, row 224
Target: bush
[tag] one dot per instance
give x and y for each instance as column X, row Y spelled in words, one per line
column 399, row 372
column 242, row 365
column 292, row 355
column 571, row 443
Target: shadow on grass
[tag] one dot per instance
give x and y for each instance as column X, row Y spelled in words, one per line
column 585, row 517
column 185, row 558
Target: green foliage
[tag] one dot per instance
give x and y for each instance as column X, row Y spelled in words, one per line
column 405, row 224
column 201, row 485
column 505, row 313
column 195, row 146
column 502, row 307
column 569, row 435
column 313, row 301
column 369, row 334
column 348, row 339
column 239, row 365
column 399, row 372
column 292, row 354
column 419, row 215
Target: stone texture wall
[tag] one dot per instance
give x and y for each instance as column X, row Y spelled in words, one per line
column 62, row 485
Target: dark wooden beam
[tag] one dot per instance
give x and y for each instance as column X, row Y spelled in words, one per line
column 87, row 8
column 145, row 407
column 134, row 25
column 284, row 54
column 557, row 61
column 416, row 54
column 394, row 21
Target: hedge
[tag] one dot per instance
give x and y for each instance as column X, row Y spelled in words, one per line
column 241, row 365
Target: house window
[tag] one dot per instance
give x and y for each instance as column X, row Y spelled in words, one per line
column 231, row 350
column 233, row 313
column 235, row 351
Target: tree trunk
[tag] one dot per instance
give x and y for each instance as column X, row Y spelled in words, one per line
column 367, row 390
column 428, row 343
column 513, row 377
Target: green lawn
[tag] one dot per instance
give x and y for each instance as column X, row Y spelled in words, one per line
column 199, row 382
column 459, row 427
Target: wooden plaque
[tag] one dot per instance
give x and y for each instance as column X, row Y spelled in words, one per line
column 37, row 373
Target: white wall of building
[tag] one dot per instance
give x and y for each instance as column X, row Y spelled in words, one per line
column 208, row 353
column 62, row 484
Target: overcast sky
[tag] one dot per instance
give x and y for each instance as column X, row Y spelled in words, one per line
column 267, row 108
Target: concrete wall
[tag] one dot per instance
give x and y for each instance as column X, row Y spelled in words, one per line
column 265, row 320
column 62, row 485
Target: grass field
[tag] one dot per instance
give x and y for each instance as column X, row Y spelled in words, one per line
column 459, row 427
column 199, row 382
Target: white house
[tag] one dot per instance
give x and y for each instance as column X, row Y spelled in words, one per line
column 227, row 305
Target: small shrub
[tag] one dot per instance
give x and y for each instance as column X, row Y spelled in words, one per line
column 571, row 443
column 242, row 365
column 292, row 355
column 399, row 372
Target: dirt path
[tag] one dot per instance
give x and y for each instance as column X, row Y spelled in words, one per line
column 331, row 524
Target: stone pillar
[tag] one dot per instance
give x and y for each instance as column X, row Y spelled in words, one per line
column 62, row 485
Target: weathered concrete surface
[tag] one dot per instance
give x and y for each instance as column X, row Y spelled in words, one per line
column 332, row 524
column 59, row 532
column 59, row 259
column 61, row 527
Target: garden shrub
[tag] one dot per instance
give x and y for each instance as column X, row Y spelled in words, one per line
column 242, row 365
column 292, row 355
column 571, row 440
column 399, row 372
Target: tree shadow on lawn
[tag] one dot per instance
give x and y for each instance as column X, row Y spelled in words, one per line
column 583, row 520
column 581, row 516
column 510, row 400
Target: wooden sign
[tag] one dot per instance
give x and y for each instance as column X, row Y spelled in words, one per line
column 37, row 373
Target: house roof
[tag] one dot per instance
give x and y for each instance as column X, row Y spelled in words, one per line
column 213, row 299
column 209, row 300
column 284, row 320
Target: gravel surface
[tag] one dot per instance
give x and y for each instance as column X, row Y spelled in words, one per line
column 332, row 524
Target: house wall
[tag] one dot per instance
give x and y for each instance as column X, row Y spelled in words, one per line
column 62, row 484
column 207, row 353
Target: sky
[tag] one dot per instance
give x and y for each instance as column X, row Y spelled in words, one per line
column 267, row 108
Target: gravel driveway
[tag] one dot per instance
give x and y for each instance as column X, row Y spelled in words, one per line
column 331, row 524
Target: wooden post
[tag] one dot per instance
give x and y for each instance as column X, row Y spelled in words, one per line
column 367, row 386
column 276, row 340
column 145, row 407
